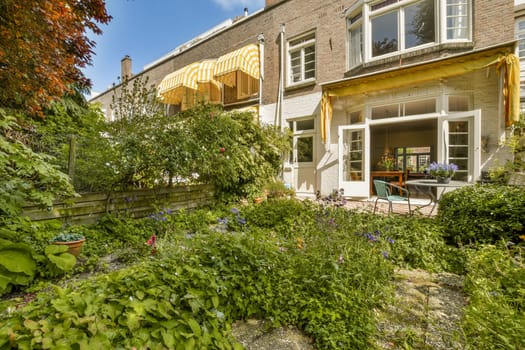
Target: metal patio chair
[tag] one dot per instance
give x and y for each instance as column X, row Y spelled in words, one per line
column 383, row 191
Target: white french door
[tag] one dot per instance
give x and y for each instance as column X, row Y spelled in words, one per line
column 459, row 139
column 354, row 160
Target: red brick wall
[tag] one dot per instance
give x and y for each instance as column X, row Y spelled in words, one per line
column 493, row 22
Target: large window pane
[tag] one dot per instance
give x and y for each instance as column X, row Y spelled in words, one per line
column 384, row 34
column 305, row 149
column 419, row 24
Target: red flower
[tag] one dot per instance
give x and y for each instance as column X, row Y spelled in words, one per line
column 152, row 240
column 223, row 149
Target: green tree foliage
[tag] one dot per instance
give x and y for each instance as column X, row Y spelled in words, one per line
column 73, row 118
column 206, row 144
column 26, row 176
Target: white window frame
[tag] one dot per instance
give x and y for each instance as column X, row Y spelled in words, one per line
column 520, row 35
column 301, row 46
column 367, row 15
column 443, row 18
column 299, row 134
column 355, row 58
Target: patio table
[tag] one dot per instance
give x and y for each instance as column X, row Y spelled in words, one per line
column 426, row 186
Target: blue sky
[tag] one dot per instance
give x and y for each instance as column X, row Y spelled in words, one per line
column 148, row 29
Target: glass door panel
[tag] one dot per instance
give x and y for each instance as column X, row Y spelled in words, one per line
column 353, row 160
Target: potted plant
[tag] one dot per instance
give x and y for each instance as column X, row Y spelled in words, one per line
column 442, row 172
column 70, row 238
column 278, row 189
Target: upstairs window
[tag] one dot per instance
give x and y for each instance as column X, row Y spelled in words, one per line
column 377, row 29
column 396, row 27
column 301, row 58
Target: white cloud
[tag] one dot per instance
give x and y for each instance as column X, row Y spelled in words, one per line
column 252, row 5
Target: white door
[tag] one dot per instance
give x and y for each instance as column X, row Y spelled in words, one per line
column 354, row 160
column 459, row 140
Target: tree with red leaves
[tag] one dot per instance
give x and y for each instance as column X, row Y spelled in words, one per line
column 43, row 47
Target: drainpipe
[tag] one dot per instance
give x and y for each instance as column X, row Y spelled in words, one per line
column 260, row 38
column 279, row 107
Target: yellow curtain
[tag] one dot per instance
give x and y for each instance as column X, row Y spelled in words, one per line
column 326, row 116
column 435, row 70
column 509, row 67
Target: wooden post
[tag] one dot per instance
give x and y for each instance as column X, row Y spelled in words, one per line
column 72, row 157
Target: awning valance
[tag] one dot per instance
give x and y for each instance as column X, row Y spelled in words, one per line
column 435, row 70
column 245, row 59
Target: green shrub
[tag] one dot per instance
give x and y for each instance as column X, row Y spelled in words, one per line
column 483, row 213
column 314, row 275
column 495, row 282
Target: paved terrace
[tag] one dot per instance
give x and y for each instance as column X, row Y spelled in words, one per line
column 417, row 204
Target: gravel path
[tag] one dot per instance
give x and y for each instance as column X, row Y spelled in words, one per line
column 425, row 314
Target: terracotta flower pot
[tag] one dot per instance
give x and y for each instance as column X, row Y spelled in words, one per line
column 74, row 247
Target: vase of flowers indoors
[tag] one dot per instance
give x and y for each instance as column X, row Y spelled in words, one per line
column 442, row 172
column 72, row 240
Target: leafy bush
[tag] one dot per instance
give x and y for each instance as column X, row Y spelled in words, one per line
column 495, row 282
column 315, row 275
column 27, row 177
column 483, row 213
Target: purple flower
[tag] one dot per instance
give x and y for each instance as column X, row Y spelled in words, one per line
column 385, row 254
column 442, row 169
column 235, row 211
column 371, row 237
column 241, row 221
column 391, row 241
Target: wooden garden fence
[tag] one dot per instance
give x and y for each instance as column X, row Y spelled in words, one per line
column 89, row 207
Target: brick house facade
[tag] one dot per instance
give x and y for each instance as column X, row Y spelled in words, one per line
column 407, row 96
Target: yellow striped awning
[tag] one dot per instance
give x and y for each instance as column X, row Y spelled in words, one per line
column 206, row 69
column 175, row 85
column 245, row 59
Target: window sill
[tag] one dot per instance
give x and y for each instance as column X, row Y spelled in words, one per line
column 410, row 57
column 299, row 85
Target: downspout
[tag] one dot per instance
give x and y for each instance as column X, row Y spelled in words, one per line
column 260, row 38
column 279, row 107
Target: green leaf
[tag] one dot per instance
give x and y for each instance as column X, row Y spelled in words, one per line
column 168, row 339
column 195, row 327
column 53, row 249
column 32, row 325
column 215, row 301
column 17, row 259
column 64, row 261
column 190, row 344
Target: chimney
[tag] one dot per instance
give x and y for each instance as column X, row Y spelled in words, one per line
column 125, row 68
column 245, row 12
